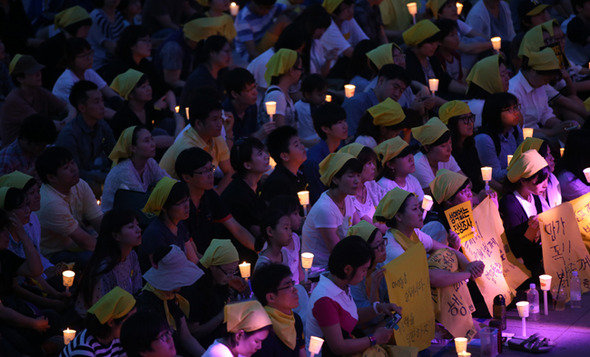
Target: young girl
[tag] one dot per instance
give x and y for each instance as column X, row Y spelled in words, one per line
column 397, row 159
column 276, row 229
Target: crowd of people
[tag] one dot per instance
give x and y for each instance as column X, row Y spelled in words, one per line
column 153, row 145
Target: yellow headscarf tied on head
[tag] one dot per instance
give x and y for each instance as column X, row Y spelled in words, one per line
column 430, row 132
column 204, row 3
column 383, row 54
column 435, row 5
column 70, row 16
column 390, row 204
column 390, row 148
column 525, row 166
column 486, row 74
column 331, row 165
column 123, row 148
column 282, row 61
column 13, row 62
column 331, row 5
column 362, row 229
column 446, row 184
column 219, row 252
column 159, row 196
column 247, row 316
column 532, row 41
column 113, row 305
column 15, row 179
column 526, row 145
column 353, row 149
column 3, row 192
column 202, row 28
column 454, row 108
column 544, row 60
column 124, row 83
column 387, row 113
column 419, row 32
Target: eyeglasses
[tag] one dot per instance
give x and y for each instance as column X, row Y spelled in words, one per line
column 229, row 275
column 205, row 171
column 467, row 118
column 291, row 285
column 512, row 109
column 165, row 335
column 381, row 245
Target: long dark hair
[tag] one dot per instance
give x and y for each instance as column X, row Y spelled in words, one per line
column 312, row 18
column 453, row 126
column 577, row 154
column 359, row 63
column 491, row 116
column 107, row 253
column 212, row 44
column 128, row 38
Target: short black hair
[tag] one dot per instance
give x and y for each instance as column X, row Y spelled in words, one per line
column 441, row 140
column 278, row 142
column 267, row 279
column 353, row 165
column 292, row 37
column 140, row 330
column 338, row 8
column 201, row 103
column 446, row 26
column 393, row 71
column 38, row 129
column 286, row 203
column 241, row 152
column 79, row 93
column 237, row 79
column 128, row 38
column 190, row 160
column 73, row 47
column 327, row 115
column 264, row 2
column 312, row 83
column 50, row 160
column 353, row 251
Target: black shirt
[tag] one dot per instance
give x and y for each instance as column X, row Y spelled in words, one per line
column 9, row 264
column 282, row 182
column 158, row 235
column 273, row 346
column 125, row 117
column 246, row 125
column 201, row 221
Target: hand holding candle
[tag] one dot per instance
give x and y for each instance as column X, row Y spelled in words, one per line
column 69, row 335
column 303, row 200
column 245, row 270
column 349, row 90
column 486, row 174
column 459, row 8
column 427, row 203
column 433, row 85
column 271, row 108
column 315, row 345
column 496, row 43
column 68, row 278
column 306, row 263
column 234, row 9
column 328, row 98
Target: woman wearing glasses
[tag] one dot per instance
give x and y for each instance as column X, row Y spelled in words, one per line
column 142, row 335
column 500, row 133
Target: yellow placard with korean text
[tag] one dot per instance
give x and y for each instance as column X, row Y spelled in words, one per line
column 563, row 249
column 460, row 218
column 408, row 285
column 581, row 207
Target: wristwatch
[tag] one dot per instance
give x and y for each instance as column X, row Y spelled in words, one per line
column 372, row 339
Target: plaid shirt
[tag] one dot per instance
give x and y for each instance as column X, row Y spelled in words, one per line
column 13, row 158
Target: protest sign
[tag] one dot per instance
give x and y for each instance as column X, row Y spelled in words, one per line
column 460, row 218
column 581, row 207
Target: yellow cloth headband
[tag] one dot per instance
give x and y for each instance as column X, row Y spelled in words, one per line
column 387, row 113
column 390, row 204
column 159, row 196
column 453, row 108
column 247, row 316
column 331, row 5
column 124, row 83
column 219, row 252
column 430, row 132
column 419, row 32
column 525, row 166
column 362, row 229
column 390, row 149
column 70, row 16
column 486, row 74
column 122, row 149
column 446, row 184
column 15, row 179
column 113, row 305
column 331, row 165
column 281, row 62
column 383, row 54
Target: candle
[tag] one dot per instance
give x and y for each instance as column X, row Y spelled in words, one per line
column 187, row 112
column 427, row 202
column 527, row 133
column 459, row 8
column 461, row 344
column 271, row 108
column 234, row 9
column 303, row 197
column 509, row 158
column 464, row 354
column 412, row 8
column 496, row 43
column 561, row 151
column 177, row 109
column 245, row 270
column 545, row 280
column 98, row 202
column 272, row 163
column 486, row 173
column 315, row 345
column 69, row 335
column 328, row 98
column 586, row 172
column 349, row 90
column 523, row 308
column 68, row 278
column 306, row 260
column 433, row 84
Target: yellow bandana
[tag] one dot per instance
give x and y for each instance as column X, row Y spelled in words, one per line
column 362, row 229
column 526, row 165
column 430, row 132
column 203, row 28
column 403, row 240
column 331, row 5
column 124, row 83
column 15, row 179
column 331, row 165
column 419, row 32
column 353, row 149
column 435, row 5
column 284, row 326
column 247, row 316
column 387, row 113
column 123, row 148
column 281, row 62
column 183, row 303
column 13, row 62
column 390, row 148
column 486, row 74
column 70, row 16
column 532, row 41
column 159, row 196
column 390, row 204
column 451, row 109
column 383, row 54
column 219, row 252
column 544, row 60
column 113, row 305
column 526, row 145
column 446, row 184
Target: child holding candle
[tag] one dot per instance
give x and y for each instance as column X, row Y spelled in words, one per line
column 276, row 230
column 397, row 160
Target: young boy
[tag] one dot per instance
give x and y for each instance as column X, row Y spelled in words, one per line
column 274, row 287
column 314, row 89
column 330, row 124
column 288, row 152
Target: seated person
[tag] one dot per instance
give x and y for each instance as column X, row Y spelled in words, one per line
column 103, row 326
column 575, row 159
column 247, row 326
column 169, row 203
column 69, row 215
column 277, row 233
column 205, row 133
column 397, row 160
column 143, row 336
column 491, row 18
column 107, row 25
column 88, row 137
column 28, row 98
column 313, row 89
column 381, row 122
column 578, row 33
column 161, row 299
column 334, row 212
column 368, row 16
column 140, row 108
column 286, row 149
column 447, row 51
column 135, row 168
column 330, row 124
column 218, row 12
column 160, row 18
column 36, row 132
column 274, row 287
column 206, row 209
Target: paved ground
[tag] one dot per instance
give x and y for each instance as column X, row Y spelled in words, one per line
column 569, row 330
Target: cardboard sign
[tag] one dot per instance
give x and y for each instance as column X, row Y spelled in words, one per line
column 500, row 276
column 563, row 250
column 460, row 219
column 408, row 285
column 581, row 207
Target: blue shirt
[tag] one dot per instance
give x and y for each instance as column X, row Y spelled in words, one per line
column 487, row 151
column 356, row 107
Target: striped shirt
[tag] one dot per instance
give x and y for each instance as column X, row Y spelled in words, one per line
column 252, row 27
column 103, row 29
column 85, row 344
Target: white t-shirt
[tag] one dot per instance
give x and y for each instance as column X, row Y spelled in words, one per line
column 553, row 192
column 285, row 106
column 529, row 206
column 325, row 214
column 374, row 194
column 412, row 185
column 534, row 102
column 393, row 249
column 366, row 140
column 65, row 82
column 258, row 68
column 306, row 130
column 218, row 349
column 424, row 173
